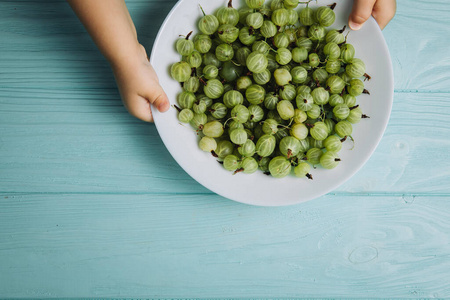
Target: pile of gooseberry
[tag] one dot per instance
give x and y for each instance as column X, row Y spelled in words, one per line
column 268, row 87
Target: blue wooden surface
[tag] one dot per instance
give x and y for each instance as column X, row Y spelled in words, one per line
column 92, row 204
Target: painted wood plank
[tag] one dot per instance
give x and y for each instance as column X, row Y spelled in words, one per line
column 84, row 144
column 202, row 246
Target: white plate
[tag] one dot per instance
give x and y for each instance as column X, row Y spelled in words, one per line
column 257, row 188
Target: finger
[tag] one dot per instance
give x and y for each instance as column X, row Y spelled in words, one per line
column 158, row 97
column 361, row 11
column 384, row 11
column 139, row 107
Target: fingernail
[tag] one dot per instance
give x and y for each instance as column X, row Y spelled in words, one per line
column 163, row 106
column 354, row 26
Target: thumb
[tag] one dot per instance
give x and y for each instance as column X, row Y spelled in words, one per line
column 361, row 11
column 158, row 98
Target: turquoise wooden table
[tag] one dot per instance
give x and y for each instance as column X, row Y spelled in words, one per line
column 93, row 205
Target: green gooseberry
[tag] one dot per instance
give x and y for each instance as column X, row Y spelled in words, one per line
column 314, row 112
column 285, row 109
column 231, row 162
column 228, row 15
column 320, row 96
column 299, row 131
column 299, row 74
column 254, row 3
column 329, row 160
column 280, row 17
column 233, row 98
column 333, row 66
column 242, row 54
column 299, row 54
column 313, row 156
column 319, row 131
column 355, row 87
column 270, row 126
column 343, row 128
column 304, row 42
column 184, row 46
column 249, row 165
column 213, row 129
column 302, row 170
column 268, row 29
column 256, row 62
column 186, row 99
column 238, row 136
column 289, row 146
column 246, row 36
column 240, row 113
column 270, row 101
column 320, row 75
column 192, row 84
column 228, row 33
column 256, row 113
column 287, row 92
column 224, row 148
column 279, row 167
column 355, row 68
column 316, row 32
column 210, row 71
column 243, row 82
column 283, row 56
column 208, row 24
column 335, row 84
column 185, row 115
column 335, row 99
column 248, row 148
column 265, row 145
column 202, row 43
column 325, row 16
column 282, row 76
column 255, row 20
column 306, row 16
column 347, row 52
column 263, row 77
column 341, row 111
column 333, row 143
column 304, row 101
column 218, row 110
column 255, row 94
column 207, row 144
column 198, row 121
column 224, row 52
column 180, row 71
column 213, row 89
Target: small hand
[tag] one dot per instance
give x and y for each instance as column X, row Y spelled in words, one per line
column 382, row 10
column 139, row 86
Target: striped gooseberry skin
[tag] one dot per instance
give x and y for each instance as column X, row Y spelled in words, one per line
column 265, row 145
column 299, row 74
column 240, row 113
column 289, row 146
column 256, row 62
column 292, row 16
column 332, row 143
column 320, row 95
column 255, row 20
column 186, row 99
column 185, row 115
column 279, row 167
column 243, row 83
column 320, row 75
column 316, row 32
column 319, row 131
column 194, row 59
column 302, row 170
column 290, row 4
column 254, row 3
column 313, row 155
column 333, row 66
column 276, row 4
column 207, row 144
column 329, row 160
column 314, row 112
column 268, row 29
column 334, row 36
column 270, row 101
column 198, row 121
column 227, row 15
column 247, row 148
column 261, row 46
column 347, row 52
column 191, row 85
column 256, row 113
column 287, row 92
column 299, row 54
column 313, row 59
column 228, row 33
column 299, row 116
column 332, row 50
column 249, row 165
column 218, row 110
column 242, row 54
column 343, row 128
column 283, row 56
column 304, row 101
column 238, row 136
column 224, row 148
column 224, row 52
column 255, row 94
column 263, row 77
column 208, row 24
column 306, row 16
column 231, row 162
column 246, row 36
column 355, row 87
column 202, row 43
column 281, row 40
column 280, row 17
column 304, row 42
column 335, row 99
column 210, row 71
column 270, row 126
column 180, row 71
column 335, row 84
column 355, row 68
column 213, row 88
column 184, row 46
column 349, row 100
column 232, row 98
column 213, row 129
column 341, row 111
column 325, row 16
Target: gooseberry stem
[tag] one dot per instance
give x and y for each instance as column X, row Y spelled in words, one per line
column 367, row 77
column 238, row 170
column 343, row 29
column 309, row 176
column 332, row 6
column 353, row 107
column 230, row 4
column 188, row 35
column 202, row 10
column 178, row 108
column 365, row 117
column 344, row 139
column 213, row 153
column 366, row 92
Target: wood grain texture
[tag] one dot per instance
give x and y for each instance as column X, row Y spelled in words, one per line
column 205, row 246
column 92, row 204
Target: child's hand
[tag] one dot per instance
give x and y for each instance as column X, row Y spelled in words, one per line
column 382, row 10
column 139, row 86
